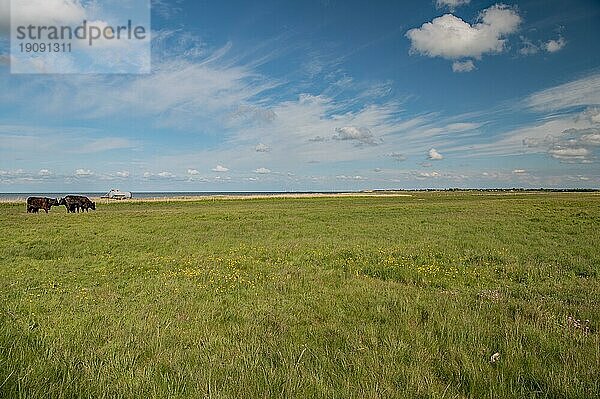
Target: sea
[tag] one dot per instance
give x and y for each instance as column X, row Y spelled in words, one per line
column 18, row 197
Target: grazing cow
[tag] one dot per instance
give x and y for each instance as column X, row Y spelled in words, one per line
column 70, row 205
column 34, row 204
column 75, row 203
column 86, row 204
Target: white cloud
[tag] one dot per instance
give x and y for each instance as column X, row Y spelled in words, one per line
column 147, row 175
column 573, row 145
column 569, row 154
column 528, row 47
column 435, row 155
column 458, row 127
column 253, row 114
column 461, row 126
column 570, row 137
column 451, row 4
column 344, row 177
column 166, row 175
column 359, row 134
column 591, row 139
column 552, row 46
column 452, row 38
column 463, row 66
column 220, row 169
column 44, row 172
column 123, row 174
column 581, row 92
column 262, row 171
column 193, row 172
column 106, row 144
column 519, row 171
column 593, row 114
column 428, row 174
column 214, row 85
column 262, row 148
column 41, row 12
column 83, row 173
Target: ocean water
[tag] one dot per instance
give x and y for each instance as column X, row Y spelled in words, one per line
column 150, row 195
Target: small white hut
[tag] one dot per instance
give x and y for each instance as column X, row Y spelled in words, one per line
column 118, row 194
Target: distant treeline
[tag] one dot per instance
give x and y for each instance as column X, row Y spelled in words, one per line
column 500, row 190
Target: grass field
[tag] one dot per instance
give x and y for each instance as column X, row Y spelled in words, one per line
column 372, row 297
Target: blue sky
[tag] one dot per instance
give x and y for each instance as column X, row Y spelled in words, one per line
column 320, row 95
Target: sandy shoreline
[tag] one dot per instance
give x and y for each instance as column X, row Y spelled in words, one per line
column 229, row 197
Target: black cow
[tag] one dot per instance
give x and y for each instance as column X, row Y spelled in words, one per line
column 75, row 203
column 34, row 204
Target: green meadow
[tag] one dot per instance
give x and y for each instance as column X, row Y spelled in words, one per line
column 434, row 295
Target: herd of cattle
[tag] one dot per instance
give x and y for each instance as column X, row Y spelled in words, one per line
column 73, row 203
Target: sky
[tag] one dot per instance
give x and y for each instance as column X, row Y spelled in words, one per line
column 319, row 95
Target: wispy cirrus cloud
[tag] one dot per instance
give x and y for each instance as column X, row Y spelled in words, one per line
column 451, row 4
column 106, row 144
column 581, row 92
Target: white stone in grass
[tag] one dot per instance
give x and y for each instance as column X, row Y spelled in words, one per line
column 495, row 357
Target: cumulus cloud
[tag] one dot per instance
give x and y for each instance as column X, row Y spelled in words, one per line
column 428, row 174
column 12, row 173
column 361, row 135
column 435, row 155
column 165, row 175
column 123, row 174
column 572, row 145
column 463, row 66
column 552, row 46
column 44, row 173
column 451, row 4
column 452, row 38
column 317, row 139
column 83, row 173
column 519, row 171
column 220, row 169
column 262, row 148
column 193, row 172
column 262, row 171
